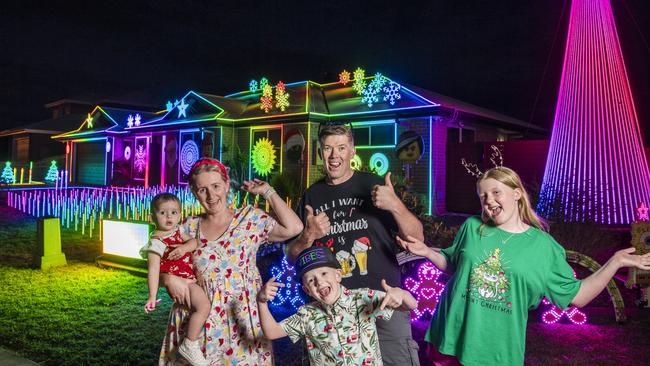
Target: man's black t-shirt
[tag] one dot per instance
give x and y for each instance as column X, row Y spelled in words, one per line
column 362, row 238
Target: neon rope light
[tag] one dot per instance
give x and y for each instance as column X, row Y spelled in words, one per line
column 596, row 168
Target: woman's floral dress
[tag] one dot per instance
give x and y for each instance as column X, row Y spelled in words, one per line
column 226, row 269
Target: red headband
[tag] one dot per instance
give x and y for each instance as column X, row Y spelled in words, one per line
column 208, row 161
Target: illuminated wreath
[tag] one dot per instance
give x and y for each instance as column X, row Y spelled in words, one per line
column 379, row 163
column 189, row 155
column 356, row 162
column 263, row 156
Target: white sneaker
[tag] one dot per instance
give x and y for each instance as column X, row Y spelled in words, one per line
column 192, row 352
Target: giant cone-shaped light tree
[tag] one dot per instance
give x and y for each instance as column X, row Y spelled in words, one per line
column 596, row 168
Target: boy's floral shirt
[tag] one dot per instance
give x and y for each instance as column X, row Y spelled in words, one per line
column 343, row 333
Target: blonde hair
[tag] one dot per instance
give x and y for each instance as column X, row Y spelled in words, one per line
column 511, row 179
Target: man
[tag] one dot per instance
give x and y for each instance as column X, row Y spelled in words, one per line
column 357, row 215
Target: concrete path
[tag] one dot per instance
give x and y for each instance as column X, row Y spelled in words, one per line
column 10, row 358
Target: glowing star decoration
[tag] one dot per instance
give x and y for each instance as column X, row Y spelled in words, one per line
column 140, row 159
column 137, row 120
column 263, row 83
column 266, row 99
column 281, row 96
column 392, row 92
column 356, row 162
column 372, row 90
column 379, row 163
column 189, row 155
column 7, row 174
column 50, row 177
column 642, row 213
column 263, row 157
column 169, row 106
column 359, row 82
column 182, row 109
column 286, row 274
column 252, row 86
column 129, row 121
column 127, row 153
column 89, row 121
column 426, row 290
column 554, row 314
column 344, row 77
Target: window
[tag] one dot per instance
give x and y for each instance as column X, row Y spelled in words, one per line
column 378, row 134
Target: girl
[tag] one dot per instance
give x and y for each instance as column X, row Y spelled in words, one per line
column 170, row 251
column 502, row 264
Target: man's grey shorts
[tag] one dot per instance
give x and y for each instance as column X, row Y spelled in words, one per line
column 399, row 352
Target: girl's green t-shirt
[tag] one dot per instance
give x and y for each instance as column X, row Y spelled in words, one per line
column 499, row 276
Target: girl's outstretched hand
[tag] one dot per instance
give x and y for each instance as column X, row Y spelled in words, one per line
column 627, row 259
column 414, row 246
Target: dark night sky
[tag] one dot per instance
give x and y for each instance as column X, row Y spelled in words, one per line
column 502, row 55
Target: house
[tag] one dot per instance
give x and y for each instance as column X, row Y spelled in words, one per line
column 270, row 130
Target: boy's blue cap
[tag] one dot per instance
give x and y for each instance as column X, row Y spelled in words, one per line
column 314, row 257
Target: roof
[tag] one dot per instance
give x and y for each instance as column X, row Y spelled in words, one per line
column 470, row 109
column 308, row 101
column 51, row 126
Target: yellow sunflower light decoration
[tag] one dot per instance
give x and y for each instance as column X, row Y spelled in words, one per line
column 263, row 157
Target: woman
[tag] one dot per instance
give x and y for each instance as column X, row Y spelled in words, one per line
column 225, row 267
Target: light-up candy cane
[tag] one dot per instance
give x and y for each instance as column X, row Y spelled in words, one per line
column 426, row 290
column 554, row 314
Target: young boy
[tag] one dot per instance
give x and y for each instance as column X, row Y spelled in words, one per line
column 340, row 324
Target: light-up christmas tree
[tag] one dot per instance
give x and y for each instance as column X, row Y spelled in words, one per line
column 596, row 168
column 50, row 177
column 7, row 174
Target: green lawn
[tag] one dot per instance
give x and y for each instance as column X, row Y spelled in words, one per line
column 85, row 315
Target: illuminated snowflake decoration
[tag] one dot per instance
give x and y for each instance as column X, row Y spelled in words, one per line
column 379, row 163
column 140, row 159
column 426, row 290
column 263, row 83
column 189, row 155
column 169, row 106
column 344, row 77
column 127, row 153
column 372, row 90
column 286, row 274
column 266, row 100
column 182, row 109
column 129, row 121
column 359, row 82
column 263, row 157
column 555, row 314
column 137, row 120
column 252, row 86
column 392, row 92
column 281, row 96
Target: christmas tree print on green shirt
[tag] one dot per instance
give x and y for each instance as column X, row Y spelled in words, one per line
column 488, row 281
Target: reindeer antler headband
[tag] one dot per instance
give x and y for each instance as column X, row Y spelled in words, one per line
column 496, row 158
